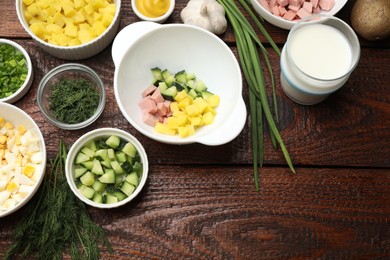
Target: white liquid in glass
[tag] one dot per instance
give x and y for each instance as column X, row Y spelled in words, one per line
column 320, row 51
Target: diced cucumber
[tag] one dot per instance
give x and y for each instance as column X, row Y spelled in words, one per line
column 191, row 84
column 192, row 93
column 127, row 167
column 87, row 192
column 206, row 95
column 99, row 186
column 97, row 197
column 132, row 178
column 120, row 195
column 87, row 164
column 119, row 179
column 168, row 78
column 92, row 145
column 190, row 76
column 180, row 86
column 169, row 93
column 108, row 177
column 116, row 167
column 181, row 77
column 127, row 188
column 113, row 141
column 111, row 199
column 200, row 86
column 79, row 171
column 157, row 74
column 129, row 149
column 102, row 155
column 88, row 178
column 120, row 156
column 88, row 152
column 162, row 86
column 81, row 157
column 97, row 167
column 111, row 154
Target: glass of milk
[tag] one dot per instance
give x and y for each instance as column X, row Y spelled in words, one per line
column 320, row 54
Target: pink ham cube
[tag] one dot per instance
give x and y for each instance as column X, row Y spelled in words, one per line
column 150, row 119
column 302, row 13
column 289, row 15
column 149, row 90
column 157, row 97
column 308, row 7
column 314, row 3
column 282, row 2
column 326, row 4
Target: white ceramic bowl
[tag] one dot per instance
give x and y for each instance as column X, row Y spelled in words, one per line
column 144, row 45
column 99, row 133
column 79, row 52
column 159, row 19
column 19, row 117
column 285, row 24
column 30, row 76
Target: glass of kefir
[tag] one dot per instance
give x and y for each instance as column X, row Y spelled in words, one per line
column 320, row 54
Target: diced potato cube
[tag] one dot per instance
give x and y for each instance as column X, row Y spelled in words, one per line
column 53, row 28
column 214, row 101
column 9, row 126
column 98, row 28
column 28, row 2
column 163, row 129
column 208, row 118
column 174, row 106
column 196, row 121
column 184, row 102
column 182, row 120
column 192, row 110
column 173, row 123
column 78, row 17
column 71, row 30
column 109, row 9
column 107, row 19
column 97, row 4
column 181, row 95
column 78, row 4
column 57, row 5
column 59, row 19
column 43, row 4
column 187, row 130
column 12, row 186
column 201, row 104
column 33, row 9
column 89, row 9
column 74, row 42
column 61, row 39
column 84, row 26
column 68, row 8
column 2, row 122
column 85, row 36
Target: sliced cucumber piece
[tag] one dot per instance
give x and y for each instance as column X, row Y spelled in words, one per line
column 88, row 152
column 127, row 188
column 108, row 177
column 119, row 179
column 129, row 149
column 87, row 164
column 127, row 167
column 81, row 157
column 200, row 86
column 157, row 74
column 99, row 186
column 79, row 171
column 116, row 167
column 169, row 93
column 97, row 167
column 181, row 77
column 92, row 145
column 97, row 197
column 88, row 178
column 132, row 178
column 87, row 192
column 113, row 141
column 111, row 199
column 111, row 154
column 120, row 156
column 120, row 195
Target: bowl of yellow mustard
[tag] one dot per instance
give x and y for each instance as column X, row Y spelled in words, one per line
column 153, row 10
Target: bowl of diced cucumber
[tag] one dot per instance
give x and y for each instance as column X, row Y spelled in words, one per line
column 106, row 168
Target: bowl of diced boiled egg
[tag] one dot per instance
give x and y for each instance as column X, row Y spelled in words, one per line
column 286, row 13
column 106, row 167
column 178, row 84
column 22, row 158
column 70, row 29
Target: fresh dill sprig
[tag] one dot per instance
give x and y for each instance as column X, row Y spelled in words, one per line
column 56, row 222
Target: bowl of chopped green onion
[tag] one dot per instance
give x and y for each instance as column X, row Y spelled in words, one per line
column 16, row 71
column 71, row 96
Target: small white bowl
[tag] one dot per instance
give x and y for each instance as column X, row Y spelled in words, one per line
column 30, row 76
column 19, row 117
column 285, row 24
column 79, row 52
column 160, row 19
column 179, row 47
column 99, row 133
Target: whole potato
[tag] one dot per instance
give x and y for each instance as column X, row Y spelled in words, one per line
column 371, row 19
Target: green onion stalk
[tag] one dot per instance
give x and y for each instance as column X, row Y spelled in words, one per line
column 249, row 49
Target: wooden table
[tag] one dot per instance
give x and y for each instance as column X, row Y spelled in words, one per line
column 200, row 201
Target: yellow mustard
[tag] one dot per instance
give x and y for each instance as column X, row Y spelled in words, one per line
column 152, row 8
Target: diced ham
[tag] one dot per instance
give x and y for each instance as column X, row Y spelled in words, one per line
column 149, row 90
column 308, row 7
column 294, row 3
column 282, row 2
column 275, row 10
column 282, row 10
column 157, row 97
column 161, row 109
column 145, row 102
column 302, row 13
column 289, row 15
column 264, row 4
column 294, row 8
column 326, row 4
column 314, row 3
column 150, row 119
column 317, row 10
column 272, row 4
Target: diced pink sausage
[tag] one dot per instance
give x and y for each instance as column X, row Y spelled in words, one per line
column 167, row 104
column 289, row 15
column 272, row 4
column 150, row 119
column 302, row 13
column 161, row 109
column 275, row 10
column 294, row 2
column 264, row 4
column 149, row 90
column 326, row 4
column 315, row 3
column 156, row 96
column 282, row 2
column 282, row 10
column 145, row 102
column 317, row 10
column 294, row 8
column 308, row 7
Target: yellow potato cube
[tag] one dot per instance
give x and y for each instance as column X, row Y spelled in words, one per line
column 28, row 16
column 110, row 9
column 187, row 130
column 9, row 126
column 71, row 30
column 107, row 19
column 174, row 106
column 74, row 42
column 57, row 5
column 59, row 19
column 201, row 104
column 196, row 121
column 208, row 118
column 33, row 9
column 97, row 4
column 3, row 139
column 28, row 2
column 178, row 113
column 29, row 171
column 12, row 186
column 214, row 101
column 61, row 39
column 192, row 110
column 98, row 28
column 163, row 129
column 78, row 4
column 68, row 8
column 86, row 36
column 22, row 129
column 43, row 4
column 38, row 29
column 97, row 16
column 173, row 123
column 183, row 119
column 181, row 95
column 84, row 26
column 184, row 102
column 53, row 28
column 78, row 17
column 2, row 122
column 89, row 9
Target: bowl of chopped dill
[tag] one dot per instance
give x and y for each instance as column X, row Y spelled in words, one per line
column 71, row 96
column 16, row 71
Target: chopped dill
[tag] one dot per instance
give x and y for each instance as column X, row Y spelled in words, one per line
column 73, row 100
column 56, row 222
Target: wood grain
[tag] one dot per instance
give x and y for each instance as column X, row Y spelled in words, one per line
column 200, row 202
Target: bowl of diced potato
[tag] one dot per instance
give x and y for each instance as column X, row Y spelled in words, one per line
column 176, row 92
column 70, row 30
column 22, row 158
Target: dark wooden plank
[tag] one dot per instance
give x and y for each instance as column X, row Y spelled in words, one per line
column 214, row 212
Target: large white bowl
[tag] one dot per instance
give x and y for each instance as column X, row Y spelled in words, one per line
column 79, row 52
column 19, row 117
column 30, row 76
column 285, row 24
column 145, row 45
column 100, row 133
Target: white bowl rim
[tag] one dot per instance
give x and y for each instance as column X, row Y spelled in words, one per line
column 239, row 104
column 100, row 132
column 19, row 7
column 28, row 82
column 44, row 163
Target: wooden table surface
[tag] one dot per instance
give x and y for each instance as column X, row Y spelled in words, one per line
column 200, row 201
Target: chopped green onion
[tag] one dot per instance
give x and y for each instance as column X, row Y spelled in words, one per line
column 13, row 70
